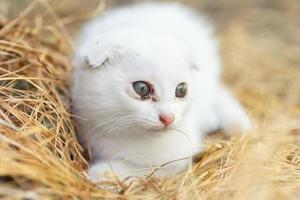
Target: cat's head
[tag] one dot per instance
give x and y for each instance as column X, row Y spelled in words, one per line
column 144, row 83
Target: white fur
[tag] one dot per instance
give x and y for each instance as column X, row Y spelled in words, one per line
column 165, row 44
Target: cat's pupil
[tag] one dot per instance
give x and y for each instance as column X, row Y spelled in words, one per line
column 181, row 90
column 142, row 88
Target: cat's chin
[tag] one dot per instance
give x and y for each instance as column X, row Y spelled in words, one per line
column 159, row 129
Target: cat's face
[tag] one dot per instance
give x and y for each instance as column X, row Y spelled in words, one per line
column 157, row 99
column 142, row 87
column 149, row 94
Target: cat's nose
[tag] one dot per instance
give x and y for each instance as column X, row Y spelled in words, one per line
column 166, row 119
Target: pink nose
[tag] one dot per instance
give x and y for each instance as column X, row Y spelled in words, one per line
column 166, row 119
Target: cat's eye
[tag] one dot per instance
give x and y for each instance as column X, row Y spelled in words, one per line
column 142, row 88
column 181, row 90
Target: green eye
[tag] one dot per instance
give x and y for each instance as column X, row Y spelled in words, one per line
column 142, row 88
column 181, row 90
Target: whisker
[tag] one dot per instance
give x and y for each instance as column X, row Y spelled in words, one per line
column 183, row 133
column 165, row 164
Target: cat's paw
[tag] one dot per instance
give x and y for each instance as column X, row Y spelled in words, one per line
column 97, row 172
column 104, row 176
column 232, row 117
column 114, row 170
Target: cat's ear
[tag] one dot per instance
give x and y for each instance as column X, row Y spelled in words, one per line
column 98, row 54
column 94, row 60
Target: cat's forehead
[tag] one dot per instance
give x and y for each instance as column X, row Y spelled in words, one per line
column 162, row 54
column 158, row 65
column 145, row 55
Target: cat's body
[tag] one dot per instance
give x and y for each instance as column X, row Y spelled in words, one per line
column 162, row 49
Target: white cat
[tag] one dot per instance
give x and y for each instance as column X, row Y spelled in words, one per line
column 146, row 89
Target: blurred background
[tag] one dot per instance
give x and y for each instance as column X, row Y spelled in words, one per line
column 259, row 44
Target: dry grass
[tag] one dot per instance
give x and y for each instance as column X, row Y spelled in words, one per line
column 41, row 159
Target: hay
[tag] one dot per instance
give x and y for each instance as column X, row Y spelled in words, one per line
column 41, row 159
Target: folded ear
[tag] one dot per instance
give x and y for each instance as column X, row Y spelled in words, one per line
column 97, row 57
column 98, row 52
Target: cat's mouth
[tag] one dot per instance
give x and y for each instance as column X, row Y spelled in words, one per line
column 159, row 128
column 160, row 125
